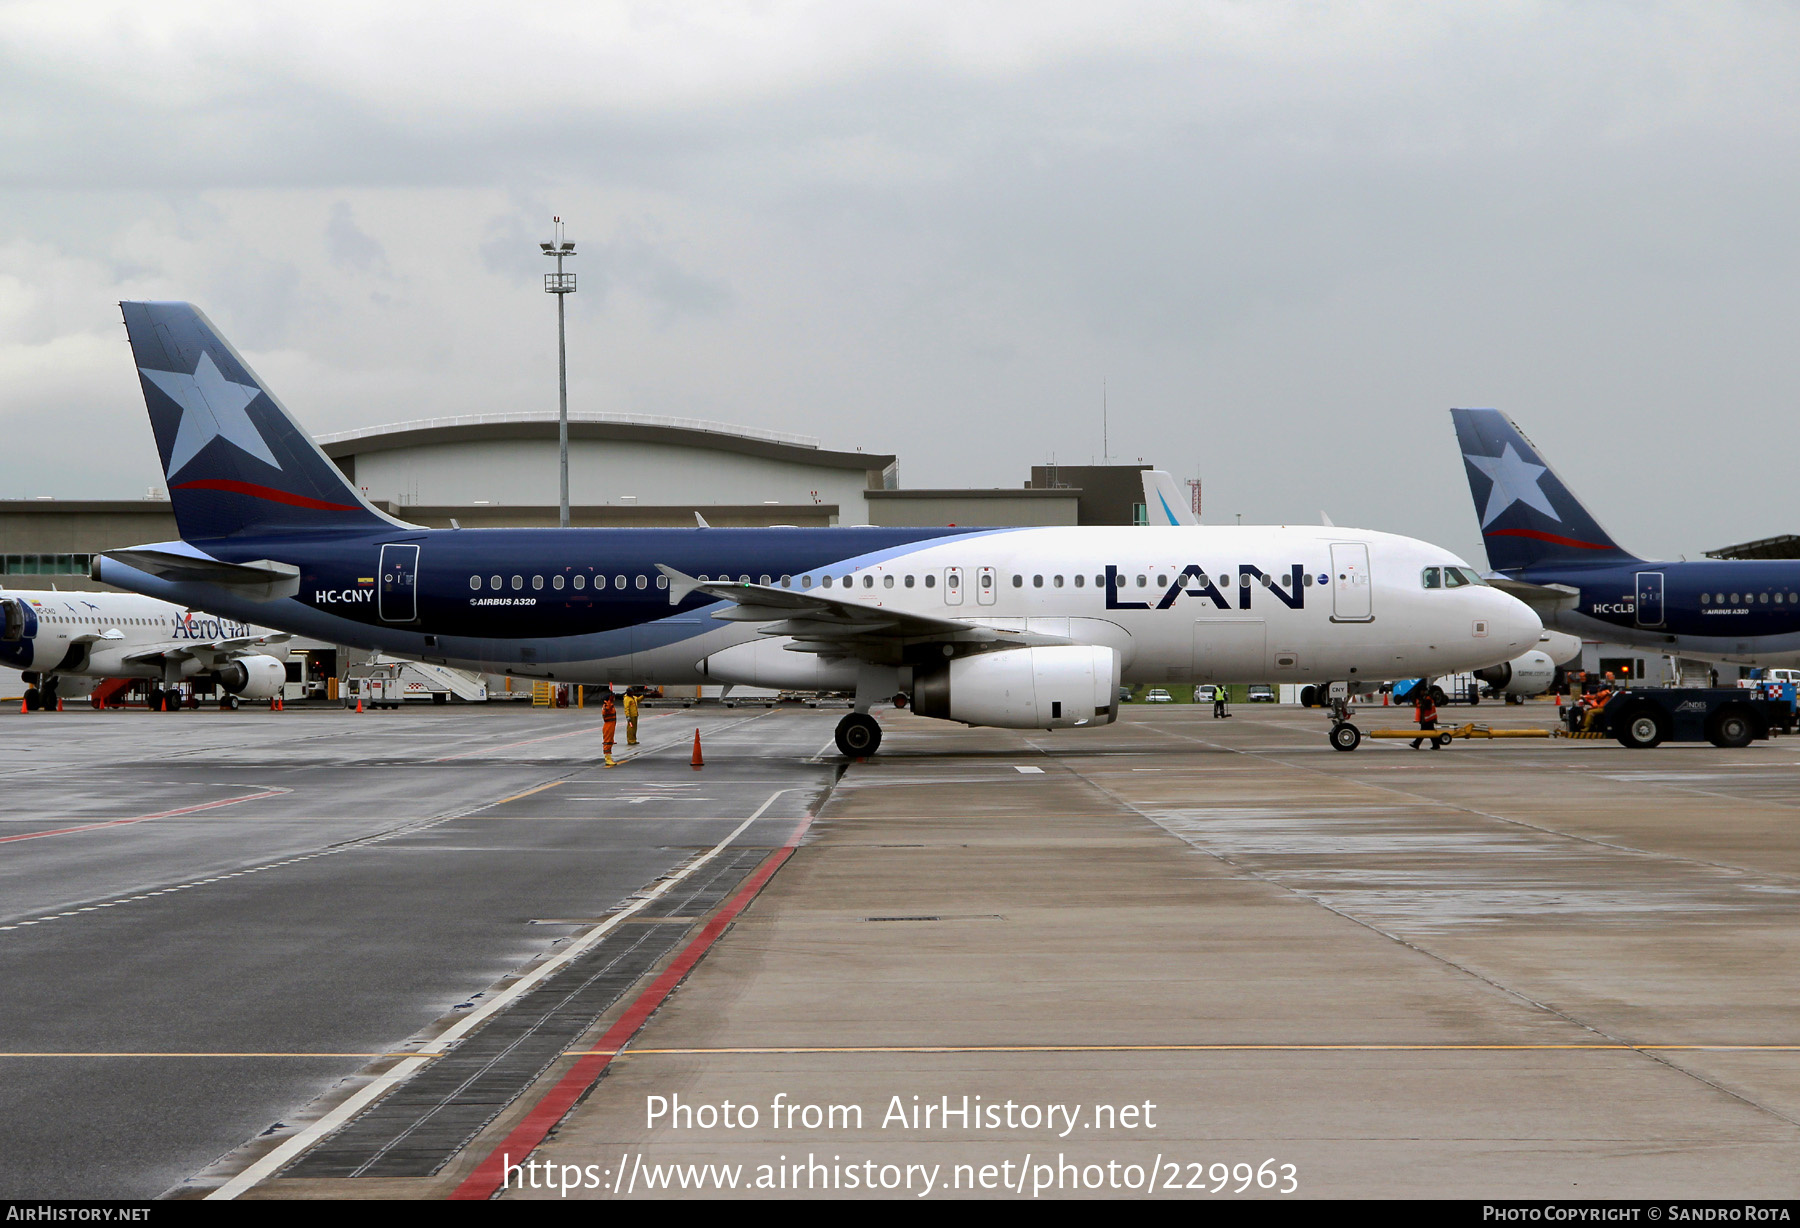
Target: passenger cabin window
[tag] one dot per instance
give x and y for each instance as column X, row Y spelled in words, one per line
column 825, row 580
column 868, row 580
column 556, row 582
column 909, row 582
column 887, row 582
column 580, row 583
column 1080, row 580
column 930, row 581
column 494, row 583
column 537, row 583
column 474, row 581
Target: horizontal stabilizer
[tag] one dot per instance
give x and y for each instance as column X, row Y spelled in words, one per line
column 260, row 580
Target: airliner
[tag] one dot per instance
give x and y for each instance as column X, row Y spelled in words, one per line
column 50, row 635
column 1530, row 673
column 1547, row 549
column 1025, row 628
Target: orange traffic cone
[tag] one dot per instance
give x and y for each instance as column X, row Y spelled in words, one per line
column 697, row 762
column 59, row 703
column 359, row 703
column 1559, row 699
column 23, row 709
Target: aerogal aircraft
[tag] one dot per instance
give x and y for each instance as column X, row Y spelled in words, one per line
column 50, row 635
column 1025, row 628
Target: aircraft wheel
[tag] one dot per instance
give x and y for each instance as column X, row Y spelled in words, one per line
column 440, row 697
column 153, row 699
column 1732, row 728
column 1309, row 696
column 228, row 704
column 1643, row 728
column 34, row 699
column 1345, row 736
column 858, row 735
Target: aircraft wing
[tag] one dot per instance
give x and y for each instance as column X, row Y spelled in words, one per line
column 213, row 652
column 834, row 626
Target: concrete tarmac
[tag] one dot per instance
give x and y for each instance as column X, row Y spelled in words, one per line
column 211, row 920
column 1216, row 956
column 1501, row 970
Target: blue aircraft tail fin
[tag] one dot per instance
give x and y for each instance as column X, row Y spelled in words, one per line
column 1528, row 516
column 235, row 460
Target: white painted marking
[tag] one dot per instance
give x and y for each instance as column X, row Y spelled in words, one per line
column 404, row 1069
column 1030, row 771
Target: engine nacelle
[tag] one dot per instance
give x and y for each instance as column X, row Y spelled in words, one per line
column 258, row 677
column 1529, row 674
column 1023, row 688
column 765, row 663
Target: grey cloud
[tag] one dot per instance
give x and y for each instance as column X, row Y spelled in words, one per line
column 349, row 245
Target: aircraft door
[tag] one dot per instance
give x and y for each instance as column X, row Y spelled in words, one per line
column 399, row 593
column 1649, row 604
column 1351, row 592
column 986, row 586
column 953, row 586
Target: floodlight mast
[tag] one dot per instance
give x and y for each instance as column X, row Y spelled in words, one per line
column 560, row 283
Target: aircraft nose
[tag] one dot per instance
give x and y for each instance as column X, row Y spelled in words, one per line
column 1512, row 622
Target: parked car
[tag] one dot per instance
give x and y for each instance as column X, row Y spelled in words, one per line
column 1261, row 693
column 1158, row 696
column 1206, row 693
column 1124, row 694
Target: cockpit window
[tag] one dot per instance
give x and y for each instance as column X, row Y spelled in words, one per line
column 1449, row 577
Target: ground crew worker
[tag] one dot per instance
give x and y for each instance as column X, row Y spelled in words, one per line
column 1425, row 709
column 609, row 724
column 631, row 713
column 1220, row 694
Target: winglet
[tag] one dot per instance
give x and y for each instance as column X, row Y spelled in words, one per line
column 681, row 585
column 1325, row 520
column 700, row 521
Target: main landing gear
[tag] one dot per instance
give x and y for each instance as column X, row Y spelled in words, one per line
column 858, row 735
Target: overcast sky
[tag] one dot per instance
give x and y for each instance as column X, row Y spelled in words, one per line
column 1287, row 237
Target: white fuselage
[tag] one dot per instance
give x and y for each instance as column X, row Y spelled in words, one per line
column 110, row 635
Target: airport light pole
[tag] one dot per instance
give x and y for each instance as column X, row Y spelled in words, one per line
column 560, row 283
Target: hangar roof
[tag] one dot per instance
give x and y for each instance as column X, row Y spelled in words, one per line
column 646, row 428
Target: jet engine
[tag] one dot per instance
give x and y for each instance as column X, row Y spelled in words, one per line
column 1535, row 671
column 258, row 677
column 1529, row 674
column 1022, row 688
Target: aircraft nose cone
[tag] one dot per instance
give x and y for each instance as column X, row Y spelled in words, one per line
column 1514, row 623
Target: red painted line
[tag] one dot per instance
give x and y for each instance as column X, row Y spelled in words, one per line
column 266, row 492
column 144, row 818
column 1539, row 535
column 486, row 1180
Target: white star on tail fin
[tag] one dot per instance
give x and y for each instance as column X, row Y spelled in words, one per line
column 1515, row 481
column 212, row 407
